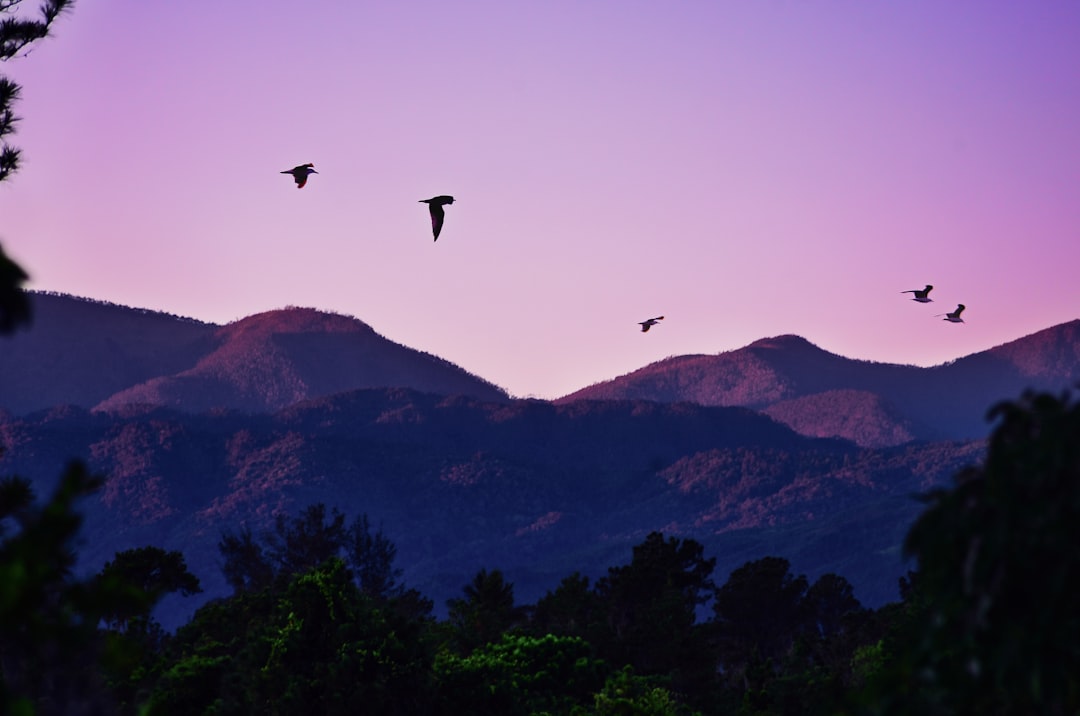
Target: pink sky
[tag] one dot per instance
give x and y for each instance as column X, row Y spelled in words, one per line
column 746, row 169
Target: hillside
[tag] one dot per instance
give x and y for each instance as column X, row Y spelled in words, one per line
column 93, row 354
column 79, row 352
column 873, row 404
column 536, row 489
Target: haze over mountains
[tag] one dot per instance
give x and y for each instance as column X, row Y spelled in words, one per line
column 776, row 448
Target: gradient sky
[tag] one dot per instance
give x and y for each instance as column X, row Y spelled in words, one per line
column 745, row 168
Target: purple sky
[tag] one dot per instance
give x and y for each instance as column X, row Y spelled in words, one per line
column 746, row 169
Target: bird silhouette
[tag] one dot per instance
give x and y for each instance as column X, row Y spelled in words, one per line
column 646, row 325
column 435, row 206
column 921, row 295
column 300, row 173
column 954, row 317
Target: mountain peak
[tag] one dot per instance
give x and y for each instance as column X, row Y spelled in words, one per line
column 293, row 319
column 787, row 341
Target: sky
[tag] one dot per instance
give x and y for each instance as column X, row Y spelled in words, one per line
column 744, row 168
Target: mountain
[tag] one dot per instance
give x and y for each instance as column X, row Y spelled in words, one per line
column 80, row 352
column 778, row 448
column 874, row 404
column 93, row 354
column 536, row 489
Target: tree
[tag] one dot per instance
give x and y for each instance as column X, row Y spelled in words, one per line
column 521, row 674
column 573, row 609
column 626, row 694
column 371, row 557
column 486, row 612
column 298, row 544
column 301, row 543
column 14, row 304
column 650, row 606
column 50, row 648
column 312, row 644
column 152, row 571
column 759, row 613
column 246, row 566
column 998, row 624
column 15, row 34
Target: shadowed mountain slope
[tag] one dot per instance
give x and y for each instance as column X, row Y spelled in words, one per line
column 80, row 352
column 536, row 489
column 94, row 354
column 874, row 404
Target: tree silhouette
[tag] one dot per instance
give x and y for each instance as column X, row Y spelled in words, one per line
column 49, row 643
column 759, row 612
column 998, row 624
column 650, row 609
column 486, row 612
column 155, row 573
column 371, row 557
column 246, row 567
column 15, row 34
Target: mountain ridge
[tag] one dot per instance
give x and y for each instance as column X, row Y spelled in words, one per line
column 790, row 378
column 95, row 354
column 537, row 489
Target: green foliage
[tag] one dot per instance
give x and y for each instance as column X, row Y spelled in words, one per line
column 996, row 627
column 626, row 694
column 520, row 675
column 314, row 645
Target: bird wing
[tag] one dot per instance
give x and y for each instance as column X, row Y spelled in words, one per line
column 437, row 216
column 300, row 180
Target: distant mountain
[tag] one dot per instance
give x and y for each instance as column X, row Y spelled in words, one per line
column 199, row 428
column 80, row 352
column 536, row 489
column 94, row 354
column 874, row 404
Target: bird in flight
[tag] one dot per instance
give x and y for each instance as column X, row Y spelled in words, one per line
column 922, row 295
column 954, row 317
column 300, row 173
column 646, row 325
column 435, row 206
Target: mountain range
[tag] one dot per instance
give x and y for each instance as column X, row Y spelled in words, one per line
column 776, row 448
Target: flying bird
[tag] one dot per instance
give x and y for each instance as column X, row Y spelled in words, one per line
column 954, row 317
column 646, row 325
column 300, row 173
column 922, row 295
column 435, row 206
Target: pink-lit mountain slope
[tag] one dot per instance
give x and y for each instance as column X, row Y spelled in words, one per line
column 275, row 359
column 93, row 354
column 875, row 404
